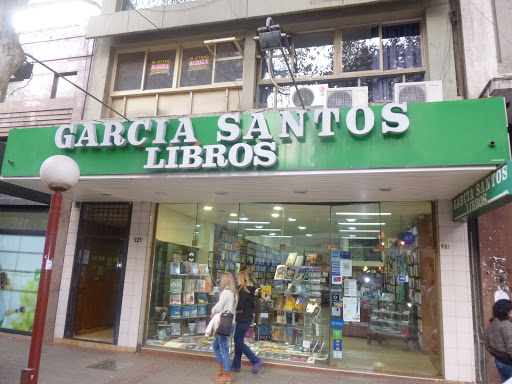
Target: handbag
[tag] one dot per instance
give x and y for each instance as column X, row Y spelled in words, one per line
column 225, row 324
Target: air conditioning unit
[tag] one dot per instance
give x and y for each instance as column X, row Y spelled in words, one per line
column 346, row 97
column 312, row 95
column 419, row 92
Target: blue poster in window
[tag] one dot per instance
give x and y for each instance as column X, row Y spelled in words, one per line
column 345, row 255
column 337, row 323
column 408, row 238
column 335, row 255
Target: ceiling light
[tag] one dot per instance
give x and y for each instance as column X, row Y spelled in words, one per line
column 196, row 232
column 275, row 215
column 366, row 279
column 359, row 237
column 270, row 235
column 277, row 208
column 364, row 213
column 233, row 215
column 361, row 223
column 207, row 208
column 291, row 219
column 198, row 225
column 365, row 268
column 382, row 243
column 359, row 230
column 260, row 229
column 352, row 235
column 309, row 234
column 351, row 227
column 259, row 226
column 244, row 218
column 351, row 220
column 248, row 222
column 301, row 227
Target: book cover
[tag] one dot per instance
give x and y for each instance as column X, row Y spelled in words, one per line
column 313, row 306
column 301, row 303
column 280, row 317
column 188, row 268
column 202, row 298
column 164, row 332
column 299, row 261
column 301, row 274
column 311, row 259
column 176, row 285
column 188, row 298
column 195, row 269
column 266, row 292
column 289, row 318
column 192, row 328
column 193, row 311
column 291, row 259
column 290, row 303
column 207, row 286
column 175, row 329
column 202, row 310
column 175, row 298
column 203, row 269
column 189, row 285
column 175, row 268
column 280, row 272
column 200, row 286
column 175, row 311
column 201, row 326
column 290, row 273
column 279, row 302
column 185, row 311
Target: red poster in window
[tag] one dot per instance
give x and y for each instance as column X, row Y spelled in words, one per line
column 160, row 67
column 198, row 63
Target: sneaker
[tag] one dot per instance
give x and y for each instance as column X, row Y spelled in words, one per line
column 233, row 369
column 257, row 366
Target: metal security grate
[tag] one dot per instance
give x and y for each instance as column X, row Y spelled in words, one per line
column 105, row 219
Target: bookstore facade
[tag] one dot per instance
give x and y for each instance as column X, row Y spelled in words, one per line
column 334, row 213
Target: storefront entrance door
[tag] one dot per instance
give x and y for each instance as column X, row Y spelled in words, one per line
column 98, row 273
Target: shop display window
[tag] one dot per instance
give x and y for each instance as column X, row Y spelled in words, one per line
column 347, row 286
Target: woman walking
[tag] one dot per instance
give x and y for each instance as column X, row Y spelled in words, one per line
column 244, row 314
column 498, row 338
column 220, row 345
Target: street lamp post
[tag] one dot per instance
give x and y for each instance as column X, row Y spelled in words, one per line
column 59, row 173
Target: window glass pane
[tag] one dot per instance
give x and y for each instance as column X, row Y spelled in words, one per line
column 360, row 49
column 381, row 88
column 160, row 70
column 229, row 49
column 314, row 55
column 283, row 98
column 279, row 68
column 228, row 70
column 129, row 71
column 37, row 87
column 343, row 83
column 64, row 89
column 266, row 97
column 414, row 77
column 401, row 46
column 196, row 67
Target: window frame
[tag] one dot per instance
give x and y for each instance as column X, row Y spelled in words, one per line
column 55, row 85
column 179, row 49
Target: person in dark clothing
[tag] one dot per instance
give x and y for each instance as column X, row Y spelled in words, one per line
column 498, row 338
column 244, row 318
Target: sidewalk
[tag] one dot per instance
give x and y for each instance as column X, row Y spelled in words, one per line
column 65, row 364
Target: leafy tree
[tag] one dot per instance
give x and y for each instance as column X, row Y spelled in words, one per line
column 11, row 53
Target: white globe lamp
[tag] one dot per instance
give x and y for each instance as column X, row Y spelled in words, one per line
column 59, row 173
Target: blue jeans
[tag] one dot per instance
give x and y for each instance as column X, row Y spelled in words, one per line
column 220, row 346
column 505, row 370
column 240, row 347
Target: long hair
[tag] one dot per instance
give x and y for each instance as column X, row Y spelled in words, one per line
column 501, row 309
column 227, row 281
column 245, row 277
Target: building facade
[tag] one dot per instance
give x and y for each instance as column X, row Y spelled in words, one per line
column 341, row 208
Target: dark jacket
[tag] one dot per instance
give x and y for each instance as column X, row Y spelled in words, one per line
column 498, row 340
column 245, row 305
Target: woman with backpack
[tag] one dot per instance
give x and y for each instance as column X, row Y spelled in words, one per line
column 498, row 338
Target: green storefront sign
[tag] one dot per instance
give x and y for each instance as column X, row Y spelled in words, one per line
column 391, row 136
column 489, row 193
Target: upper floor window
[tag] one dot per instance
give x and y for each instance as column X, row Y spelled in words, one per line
column 181, row 67
column 141, row 4
column 61, row 88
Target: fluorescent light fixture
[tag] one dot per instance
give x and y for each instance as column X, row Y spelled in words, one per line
column 261, row 229
column 363, row 213
column 301, row 227
column 359, row 230
column 359, row 237
column 244, row 218
column 248, row 222
column 233, row 215
column 351, row 220
column 259, row 226
column 272, row 234
column 275, row 215
column 291, row 219
column 351, row 236
column 366, row 279
column 351, row 227
column 275, row 236
column 277, row 208
column 198, row 225
column 207, row 208
column 196, row 232
column 361, row 223
column 309, row 234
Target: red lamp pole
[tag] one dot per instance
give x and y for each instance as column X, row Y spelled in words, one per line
column 30, row 375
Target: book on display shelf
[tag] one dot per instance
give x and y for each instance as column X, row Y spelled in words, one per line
column 290, row 303
column 280, row 272
column 202, row 298
column 311, row 259
column 313, row 306
column 188, row 298
column 299, row 261
column 279, row 302
column 175, row 298
column 175, row 311
column 176, row 285
column 290, row 273
column 193, row 311
column 203, row 269
column 301, row 303
column 291, row 259
column 185, row 311
column 195, row 269
column 192, row 328
column 175, row 268
column 201, row 326
column 301, row 274
column 202, row 310
column 175, row 329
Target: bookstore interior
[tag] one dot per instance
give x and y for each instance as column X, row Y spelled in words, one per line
column 348, row 286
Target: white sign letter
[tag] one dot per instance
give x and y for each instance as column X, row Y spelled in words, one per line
column 215, row 156
column 113, row 135
column 89, row 136
column 152, row 154
column 247, row 157
column 296, row 127
column 369, row 120
column 186, row 130
column 161, row 128
column 234, row 130
column 394, row 117
column 326, row 120
column 258, row 125
column 267, row 152
column 65, row 140
column 192, row 157
column 133, row 132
